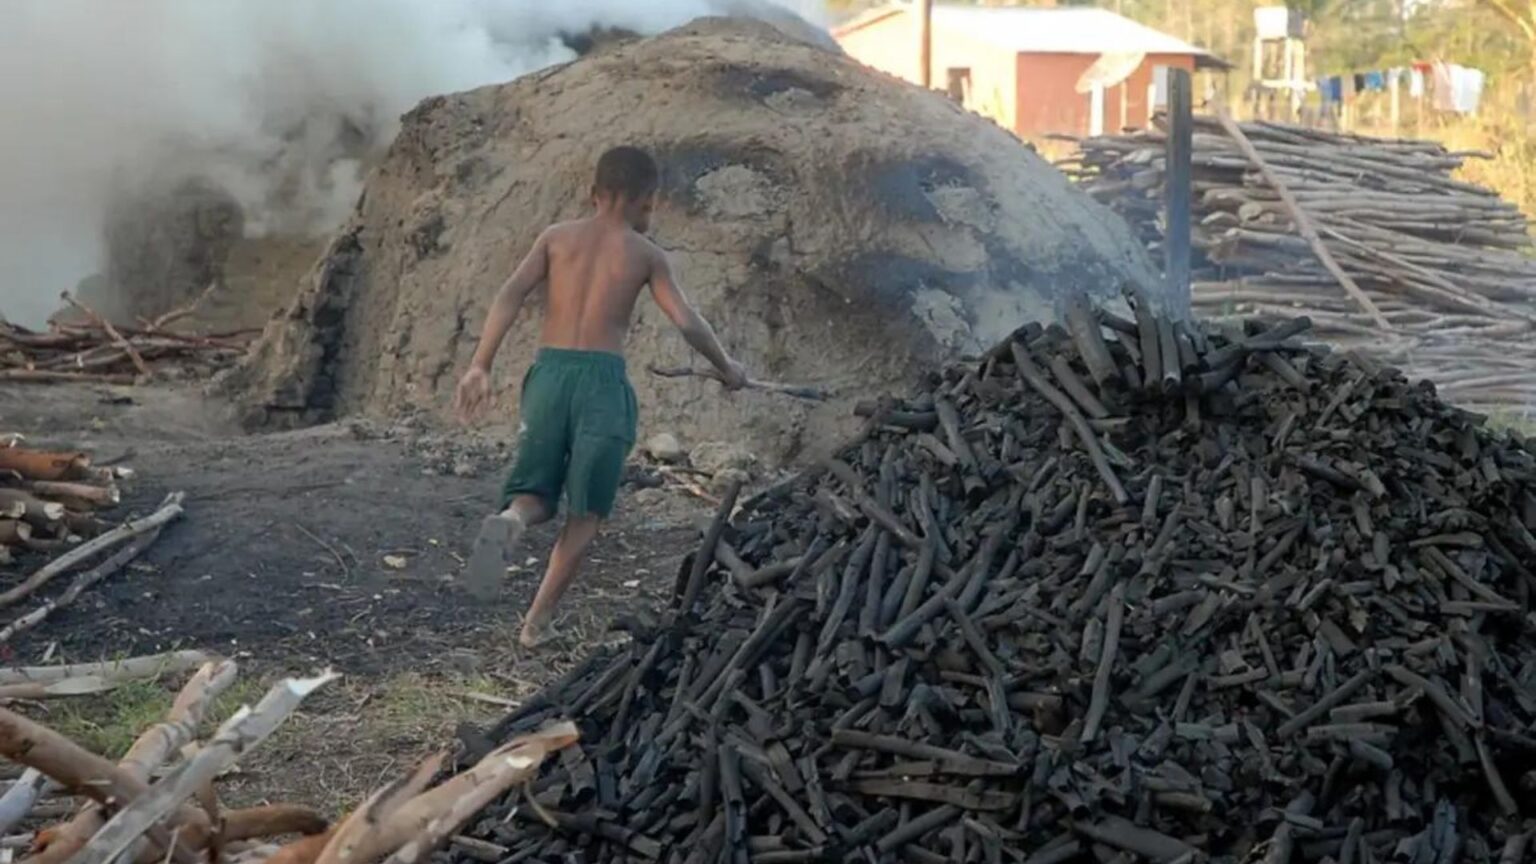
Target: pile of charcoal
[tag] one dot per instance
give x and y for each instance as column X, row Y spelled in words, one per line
column 1119, row 590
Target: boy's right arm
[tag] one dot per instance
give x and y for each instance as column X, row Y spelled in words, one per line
column 475, row 387
column 699, row 335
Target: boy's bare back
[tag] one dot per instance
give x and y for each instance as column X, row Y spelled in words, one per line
column 596, row 270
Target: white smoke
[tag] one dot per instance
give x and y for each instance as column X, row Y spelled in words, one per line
column 261, row 96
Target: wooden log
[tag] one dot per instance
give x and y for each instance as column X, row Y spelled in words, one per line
column 22, row 795
column 45, row 376
column 1119, row 833
column 1089, row 339
column 44, row 465
column 445, row 812
column 151, row 666
column 36, row 512
column 78, row 495
column 706, row 553
column 74, row 768
column 14, row 532
column 238, row 735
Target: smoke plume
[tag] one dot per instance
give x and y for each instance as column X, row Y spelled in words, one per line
column 274, row 101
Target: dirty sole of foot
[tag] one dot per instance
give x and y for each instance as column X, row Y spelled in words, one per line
column 488, row 561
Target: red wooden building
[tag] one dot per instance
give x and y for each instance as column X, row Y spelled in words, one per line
column 1037, row 71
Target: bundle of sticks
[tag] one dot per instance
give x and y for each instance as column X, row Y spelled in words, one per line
column 1124, row 591
column 1375, row 240
column 49, row 501
column 87, row 347
column 50, row 506
column 126, row 814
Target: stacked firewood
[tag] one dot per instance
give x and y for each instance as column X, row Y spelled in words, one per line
column 1124, row 591
column 1436, row 275
column 50, row 501
column 88, row 348
column 127, row 815
column 51, row 506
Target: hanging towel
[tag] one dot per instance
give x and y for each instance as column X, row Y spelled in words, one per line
column 1466, row 89
column 1375, row 81
column 1415, row 83
column 1359, row 82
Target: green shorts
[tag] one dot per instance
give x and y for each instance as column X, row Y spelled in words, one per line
column 577, row 427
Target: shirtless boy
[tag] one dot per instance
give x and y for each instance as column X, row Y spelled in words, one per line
column 578, row 410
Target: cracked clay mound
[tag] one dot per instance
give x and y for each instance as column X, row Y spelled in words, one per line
column 839, row 227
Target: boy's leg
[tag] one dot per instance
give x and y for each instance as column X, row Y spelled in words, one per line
column 564, row 562
column 500, row 535
column 602, row 434
column 592, row 483
column 532, row 490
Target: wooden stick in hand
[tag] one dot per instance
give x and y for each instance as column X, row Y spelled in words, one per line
column 796, row 390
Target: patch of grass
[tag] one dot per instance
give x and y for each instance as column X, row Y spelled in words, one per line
column 413, row 707
column 108, row 723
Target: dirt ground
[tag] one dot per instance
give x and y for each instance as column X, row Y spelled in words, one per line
column 334, row 547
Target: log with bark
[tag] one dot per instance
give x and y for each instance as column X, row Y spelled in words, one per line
column 1302, row 633
column 57, row 494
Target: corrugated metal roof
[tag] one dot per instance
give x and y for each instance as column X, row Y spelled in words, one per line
column 1063, row 30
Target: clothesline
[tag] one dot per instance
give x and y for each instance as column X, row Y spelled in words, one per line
column 1451, row 87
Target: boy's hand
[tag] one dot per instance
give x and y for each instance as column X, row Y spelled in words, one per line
column 734, row 375
column 473, row 392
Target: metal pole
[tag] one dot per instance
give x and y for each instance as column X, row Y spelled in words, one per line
column 1178, row 203
column 925, row 42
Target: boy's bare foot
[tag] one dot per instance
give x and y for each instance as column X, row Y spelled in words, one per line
column 537, row 635
column 499, row 534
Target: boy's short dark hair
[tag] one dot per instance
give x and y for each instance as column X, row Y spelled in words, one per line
column 628, row 173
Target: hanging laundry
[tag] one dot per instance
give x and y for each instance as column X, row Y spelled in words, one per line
column 1442, row 86
column 1359, row 82
column 1347, row 88
column 1415, row 83
column 1466, row 89
column 1458, row 89
column 1375, row 82
column 1331, row 89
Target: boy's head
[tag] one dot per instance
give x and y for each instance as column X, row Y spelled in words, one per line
column 627, row 179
